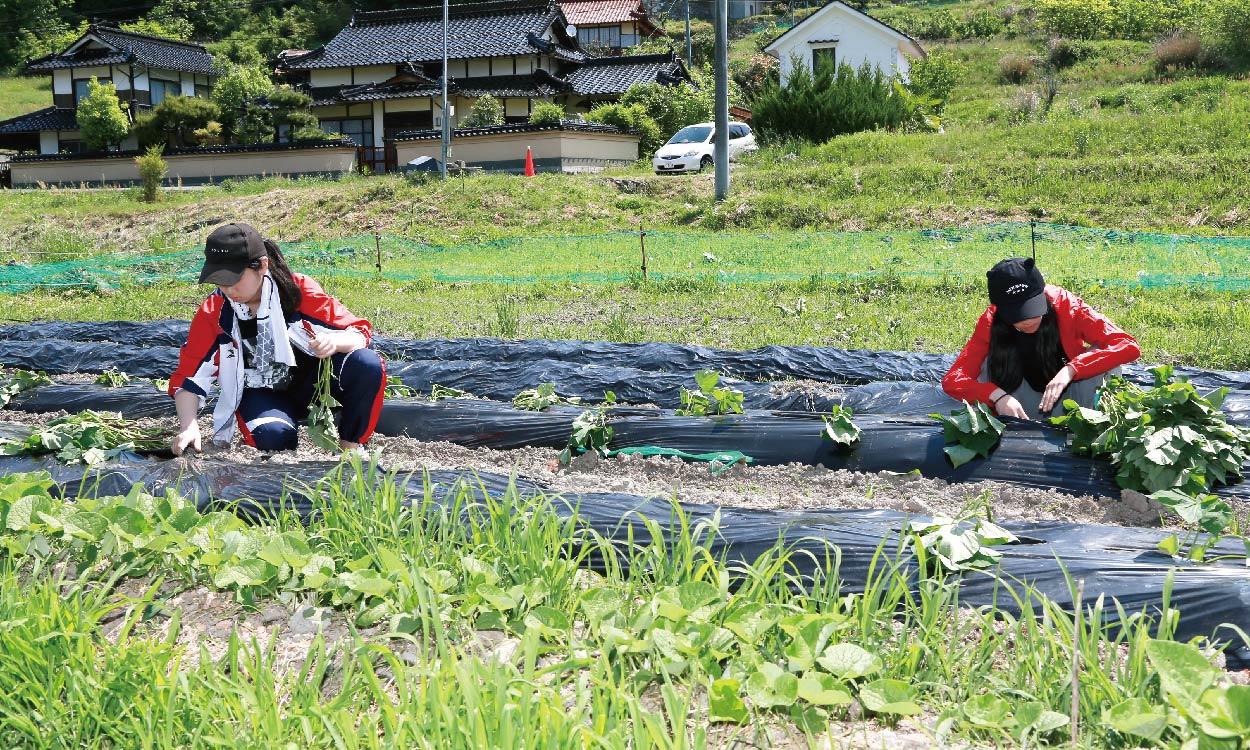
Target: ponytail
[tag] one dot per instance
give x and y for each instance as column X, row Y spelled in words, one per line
column 288, row 291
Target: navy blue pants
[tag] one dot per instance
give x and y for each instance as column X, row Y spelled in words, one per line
column 270, row 418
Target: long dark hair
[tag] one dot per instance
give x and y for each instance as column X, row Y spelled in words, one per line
column 280, row 272
column 1011, row 352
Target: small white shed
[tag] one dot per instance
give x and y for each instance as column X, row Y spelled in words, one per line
column 848, row 36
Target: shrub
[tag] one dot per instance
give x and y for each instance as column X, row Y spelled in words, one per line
column 671, row 107
column 546, row 113
column 209, row 135
column 935, row 76
column 174, row 121
column 1178, row 50
column 751, row 74
column 1230, row 27
column 1025, row 106
column 291, row 110
column 633, row 118
column 487, row 111
column 1013, row 68
column 151, row 172
column 831, row 102
column 102, row 117
column 1064, row 53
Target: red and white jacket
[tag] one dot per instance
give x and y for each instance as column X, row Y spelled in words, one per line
column 1093, row 344
column 210, row 339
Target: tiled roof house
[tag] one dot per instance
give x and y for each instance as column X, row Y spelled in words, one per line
column 609, row 25
column 145, row 69
column 379, row 76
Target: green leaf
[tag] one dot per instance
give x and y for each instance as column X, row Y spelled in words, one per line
column 706, row 380
column 288, row 548
column 725, row 702
column 1137, row 717
column 601, row 604
column 823, row 690
column 244, row 573
column 772, row 686
column 988, row 712
column 368, row 582
column 549, row 622
column 679, row 602
column 497, row 598
column 1184, row 672
column 889, row 697
column 1226, row 712
column 1033, row 718
column 849, row 661
column 752, row 621
column 959, row 455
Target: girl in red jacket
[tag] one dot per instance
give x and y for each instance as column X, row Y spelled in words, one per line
column 259, row 339
column 1035, row 345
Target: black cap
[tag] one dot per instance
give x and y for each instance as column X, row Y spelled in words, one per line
column 1017, row 290
column 229, row 251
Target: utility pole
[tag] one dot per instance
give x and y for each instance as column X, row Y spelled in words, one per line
column 720, row 105
column 689, row 43
column 446, row 115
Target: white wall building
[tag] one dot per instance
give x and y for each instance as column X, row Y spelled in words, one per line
column 846, row 35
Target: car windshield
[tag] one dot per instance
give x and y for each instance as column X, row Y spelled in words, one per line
column 692, row 134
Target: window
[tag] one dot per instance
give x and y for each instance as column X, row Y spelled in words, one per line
column 600, row 36
column 359, row 130
column 82, row 88
column 203, row 91
column 822, row 54
column 162, row 89
column 738, row 130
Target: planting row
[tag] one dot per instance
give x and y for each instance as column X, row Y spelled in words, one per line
column 828, row 364
column 1126, row 565
column 971, row 446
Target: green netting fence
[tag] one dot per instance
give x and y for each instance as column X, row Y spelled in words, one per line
column 1106, row 256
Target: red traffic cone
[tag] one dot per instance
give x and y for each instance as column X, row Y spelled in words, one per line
column 529, row 162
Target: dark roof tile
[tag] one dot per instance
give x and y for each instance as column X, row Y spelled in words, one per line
column 48, row 118
column 602, row 76
column 475, row 30
column 128, row 46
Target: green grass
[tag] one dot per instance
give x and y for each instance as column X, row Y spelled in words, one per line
column 22, row 94
column 630, row 656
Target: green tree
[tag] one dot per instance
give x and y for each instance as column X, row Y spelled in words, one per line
column 174, row 121
column 31, row 28
column 634, row 118
column 290, row 110
column 1230, row 24
column 935, row 76
column 546, row 113
column 238, row 85
column 170, row 27
column 102, row 117
column 485, row 112
column 253, row 125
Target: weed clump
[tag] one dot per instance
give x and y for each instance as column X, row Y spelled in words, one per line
column 1014, row 69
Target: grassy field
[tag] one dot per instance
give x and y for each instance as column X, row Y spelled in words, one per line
column 22, row 94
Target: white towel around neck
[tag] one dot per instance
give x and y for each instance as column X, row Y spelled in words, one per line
column 230, row 364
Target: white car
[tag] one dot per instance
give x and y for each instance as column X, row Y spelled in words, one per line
column 690, row 150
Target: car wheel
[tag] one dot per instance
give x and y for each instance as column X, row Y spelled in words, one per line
column 705, row 163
